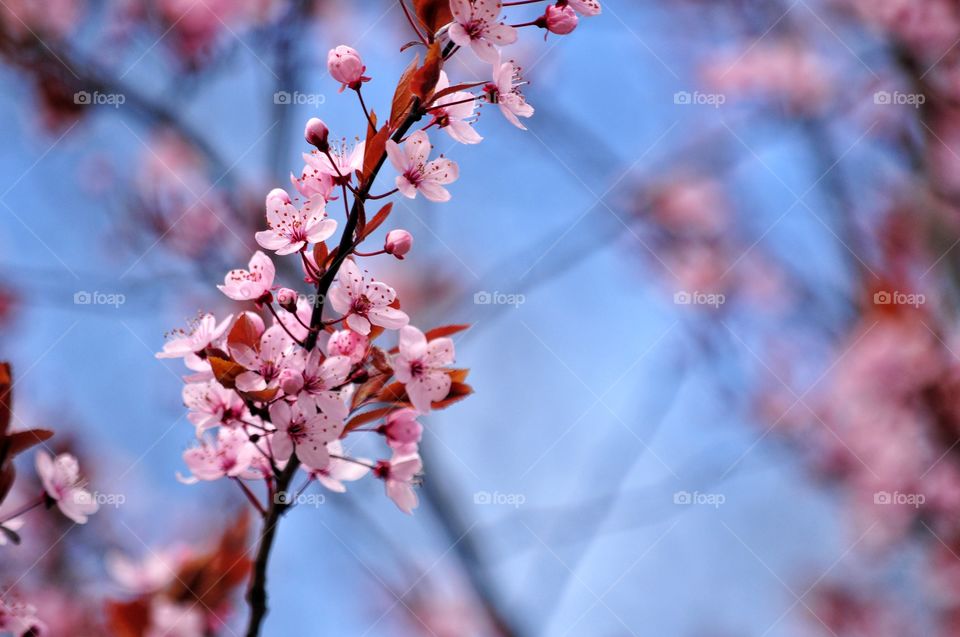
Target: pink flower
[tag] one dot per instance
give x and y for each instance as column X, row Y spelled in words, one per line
column 20, row 620
column 402, row 430
column 204, row 332
column 303, row 429
column 174, row 619
column 348, row 343
column 476, row 24
column 313, row 182
column 156, row 570
column 455, row 113
column 364, row 302
column 346, row 67
column 419, row 365
column 345, row 162
column 505, row 92
column 212, row 405
column 250, row 285
column 61, row 481
column 317, row 134
column 399, row 474
column 398, row 243
column 585, row 7
column 418, row 175
column 230, row 455
column 291, row 229
column 317, row 380
column 265, row 365
column 339, row 470
column 560, row 20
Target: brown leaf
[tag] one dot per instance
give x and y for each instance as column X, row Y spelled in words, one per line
column 244, row 333
column 128, row 619
column 263, row 396
column 364, row 418
column 320, row 254
column 379, row 359
column 458, row 391
column 374, row 151
column 446, row 330
column 378, row 220
column 393, row 393
column 225, row 370
column 20, row 441
column 403, row 95
column 368, row 389
column 458, row 375
column 208, row 580
column 7, row 476
column 433, row 14
column 427, row 76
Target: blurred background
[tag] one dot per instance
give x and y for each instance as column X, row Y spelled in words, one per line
column 713, row 292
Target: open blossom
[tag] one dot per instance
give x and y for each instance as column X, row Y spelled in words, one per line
column 398, row 475
column 364, row 302
column 419, row 366
column 204, row 332
column 345, row 162
column 301, row 428
column 455, row 113
column 264, row 366
column 229, row 455
column 313, row 182
column 402, row 431
column 346, row 67
column 339, row 470
column 505, row 93
column 153, row 572
column 585, row 7
column 20, row 620
column 348, row 343
column 416, row 174
column 477, row 24
column 212, row 405
column 61, row 481
column 292, row 228
column 317, row 380
column 250, row 285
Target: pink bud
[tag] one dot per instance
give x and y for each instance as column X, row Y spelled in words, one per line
column 287, row 299
column 398, row 243
column 346, row 67
column 402, row 430
column 317, row 134
column 279, row 194
column 560, row 20
column 348, row 343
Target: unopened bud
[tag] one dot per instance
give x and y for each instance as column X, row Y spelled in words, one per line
column 317, row 134
column 559, row 20
column 398, row 243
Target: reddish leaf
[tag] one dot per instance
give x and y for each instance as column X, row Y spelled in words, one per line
column 368, row 389
column 320, row 254
column 244, row 333
column 225, row 370
column 458, row 391
column 393, row 393
column 446, row 330
column 403, row 95
column 433, row 14
column 378, row 220
column 458, row 375
column 6, row 398
column 128, row 619
column 374, row 151
column 364, row 418
column 23, row 440
column 263, row 396
column 209, row 580
column 379, row 359
column 7, row 475
column 427, row 76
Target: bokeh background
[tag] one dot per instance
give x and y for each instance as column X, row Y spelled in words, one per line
column 713, row 296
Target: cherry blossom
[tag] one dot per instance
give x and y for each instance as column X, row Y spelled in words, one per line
column 477, row 25
column 204, row 332
column 419, row 365
column 339, row 470
column 292, row 228
column 301, row 428
column 317, row 134
column 364, row 302
column 61, row 482
column 454, row 113
column 250, row 285
column 346, row 67
column 229, row 455
column 584, row 7
column 345, row 161
column 172, row 619
column 296, row 320
column 402, row 431
column 561, row 20
column 398, row 243
column 313, row 182
column 153, row 572
column 264, row 365
column 418, row 175
column 505, row 93
column 317, row 378
column 212, row 405
column 20, row 620
column 348, row 343
column 398, row 475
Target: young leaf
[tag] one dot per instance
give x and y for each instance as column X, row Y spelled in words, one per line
column 433, row 14
column 225, row 370
column 370, row 388
column 244, row 333
column 403, row 95
column 364, row 418
column 378, row 219
column 446, row 330
column 374, row 151
column 20, row 441
column 427, row 76
column 458, row 391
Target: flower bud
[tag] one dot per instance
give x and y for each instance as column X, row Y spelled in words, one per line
column 317, row 134
column 279, row 194
column 398, row 243
column 287, row 299
column 559, row 20
column 346, row 67
column 348, row 343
